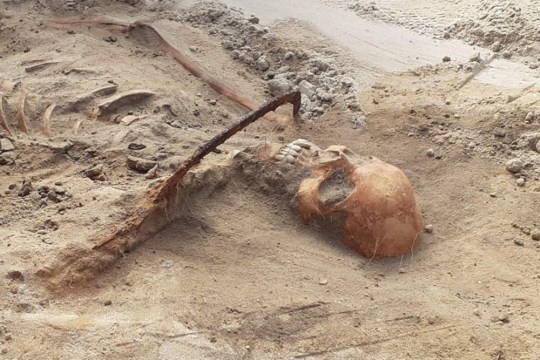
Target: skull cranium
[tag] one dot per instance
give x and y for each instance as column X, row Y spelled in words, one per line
column 382, row 218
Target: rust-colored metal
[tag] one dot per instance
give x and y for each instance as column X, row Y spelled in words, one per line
column 154, row 213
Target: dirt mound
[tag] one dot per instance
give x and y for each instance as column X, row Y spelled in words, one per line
column 281, row 64
column 502, row 26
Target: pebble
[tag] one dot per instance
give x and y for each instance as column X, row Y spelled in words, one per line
column 263, row 64
column 402, row 270
column 235, row 54
column 6, row 145
column 446, row 58
column 227, row 44
column 6, row 160
column 429, row 228
column 323, row 282
column 53, row 197
column 347, row 81
column 535, row 235
column 212, row 101
column 430, row 153
column 139, row 164
column 133, row 146
column 530, row 117
column 59, row 190
column 26, row 189
column 107, row 303
column 152, row 173
column 307, row 88
column 288, row 56
column 518, row 242
column 254, row 20
column 94, row 172
column 15, row 275
column 279, row 157
column 193, row 49
column 514, row 165
column 280, row 86
column 520, row 182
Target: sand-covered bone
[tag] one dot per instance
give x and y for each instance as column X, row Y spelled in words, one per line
column 21, row 117
column 3, row 121
column 47, row 119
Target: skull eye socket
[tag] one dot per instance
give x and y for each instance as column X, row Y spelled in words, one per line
column 335, row 188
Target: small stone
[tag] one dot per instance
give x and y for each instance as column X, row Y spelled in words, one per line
column 323, row 282
column 26, row 189
column 213, row 339
column 59, row 190
column 253, row 19
column 518, row 242
column 235, row 54
column 94, row 171
column 428, row 228
column 152, row 173
column 514, row 165
column 529, row 117
column 136, row 146
column 402, row 270
column 6, row 145
column 288, row 56
column 496, row 47
column 446, row 59
column 6, row 160
column 127, row 120
column 167, row 264
column 4, row 350
column 280, row 86
column 111, row 39
column 520, row 182
column 279, row 157
column 212, row 101
column 476, row 312
column 535, row 235
column 107, row 303
column 430, row 152
column 15, row 275
column 307, row 88
column 476, row 58
column 347, row 82
column 493, row 195
column 263, row 64
column 227, row 44
column 53, row 197
column 139, row 164
column 193, row 49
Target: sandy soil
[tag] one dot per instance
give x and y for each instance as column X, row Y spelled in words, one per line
column 237, row 275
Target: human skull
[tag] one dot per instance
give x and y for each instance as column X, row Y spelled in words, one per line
column 382, row 218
